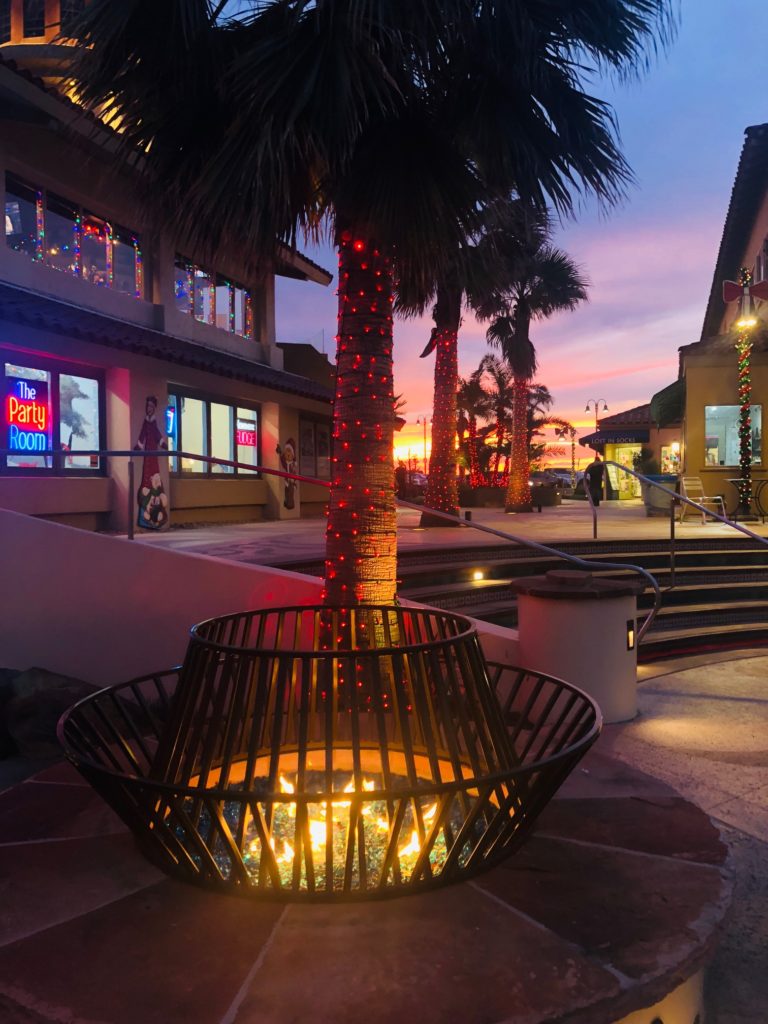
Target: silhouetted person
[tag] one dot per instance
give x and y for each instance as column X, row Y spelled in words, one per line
column 401, row 480
column 593, row 476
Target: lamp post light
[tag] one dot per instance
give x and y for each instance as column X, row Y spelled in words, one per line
column 596, row 402
column 423, row 421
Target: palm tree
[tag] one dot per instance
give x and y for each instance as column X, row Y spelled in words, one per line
column 542, row 280
column 389, row 123
column 473, row 403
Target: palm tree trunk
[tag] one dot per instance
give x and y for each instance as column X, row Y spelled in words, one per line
column 442, row 488
column 518, row 492
column 474, row 460
column 361, row 536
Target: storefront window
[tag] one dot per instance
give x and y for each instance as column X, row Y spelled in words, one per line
column 23, row 210
column 62, row 235
column 172, row 430
column 314, row 448
column 96, row 250
column 194, row 434
column 670, row 457
column 222, row 436
column 28, row 416
column 246, row 436
column 51, row 411
column 212, row 428
column 721, row 429
column 78, row 420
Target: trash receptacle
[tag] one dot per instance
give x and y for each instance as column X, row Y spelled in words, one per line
column 583, row 628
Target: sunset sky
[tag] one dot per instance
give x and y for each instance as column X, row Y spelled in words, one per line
column 650, row 262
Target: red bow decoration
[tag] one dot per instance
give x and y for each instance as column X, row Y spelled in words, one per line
column 733, row 290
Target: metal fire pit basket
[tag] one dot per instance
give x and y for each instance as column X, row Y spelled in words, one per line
column 313, row 753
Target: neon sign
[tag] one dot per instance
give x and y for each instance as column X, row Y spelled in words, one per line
column 27, row 414
column 246, row 433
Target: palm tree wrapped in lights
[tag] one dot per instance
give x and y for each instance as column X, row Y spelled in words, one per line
column 388, row 125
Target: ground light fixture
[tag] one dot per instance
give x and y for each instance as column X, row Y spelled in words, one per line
column 631, row 634
column 316, row 753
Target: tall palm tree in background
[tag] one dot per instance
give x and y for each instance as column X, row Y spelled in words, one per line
column 542, row 280
column 473, row 404
column 387, row 122
column 470, row 283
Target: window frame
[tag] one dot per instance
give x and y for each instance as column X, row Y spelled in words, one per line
column 57, row 454
column 218, row 280
column 315, row 422
column 756, row 463
column 115, row 233
column 208, row 399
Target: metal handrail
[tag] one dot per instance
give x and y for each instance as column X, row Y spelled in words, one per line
column 166, row 453
column 132, row 454
column 547, row 550
column 683, row 500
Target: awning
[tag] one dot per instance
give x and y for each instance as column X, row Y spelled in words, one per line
column 603, row 437
column 668, row 405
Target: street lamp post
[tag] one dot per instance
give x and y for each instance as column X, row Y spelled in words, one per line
column 596, row 402
column 423, row 420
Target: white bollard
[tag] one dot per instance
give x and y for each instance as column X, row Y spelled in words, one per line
column 583, row 629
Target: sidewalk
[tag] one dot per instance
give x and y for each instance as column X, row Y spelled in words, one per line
column 300, row 540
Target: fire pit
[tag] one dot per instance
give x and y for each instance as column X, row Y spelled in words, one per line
column 317, row 753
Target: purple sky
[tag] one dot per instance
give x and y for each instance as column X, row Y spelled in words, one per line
column 650, row 262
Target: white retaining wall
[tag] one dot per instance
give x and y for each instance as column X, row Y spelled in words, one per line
column 105, row 609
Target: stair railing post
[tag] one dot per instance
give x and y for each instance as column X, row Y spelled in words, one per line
column 672, row 507
column 130, row 498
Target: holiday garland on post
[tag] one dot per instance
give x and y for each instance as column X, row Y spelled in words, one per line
column 744, row 350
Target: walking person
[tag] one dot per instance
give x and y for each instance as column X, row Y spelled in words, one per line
column 593, row 476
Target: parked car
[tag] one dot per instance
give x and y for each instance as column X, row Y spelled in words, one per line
column 417, row 482
column 546, row 476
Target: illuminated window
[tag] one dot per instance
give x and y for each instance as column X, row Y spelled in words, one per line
column 222, row 435
column 204, row 296
column 23, row 211
column 79, row 420
column 127, row 270
column 50, row 228
column 62, row 235
column 212, row 298
column 246, row 436
column 721, row 429
column 183, row 285
column 214, row 428
column 50, row 409
column 96, row 250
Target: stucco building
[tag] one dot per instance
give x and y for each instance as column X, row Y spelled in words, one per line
column 116, row 334
column 707, row 383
